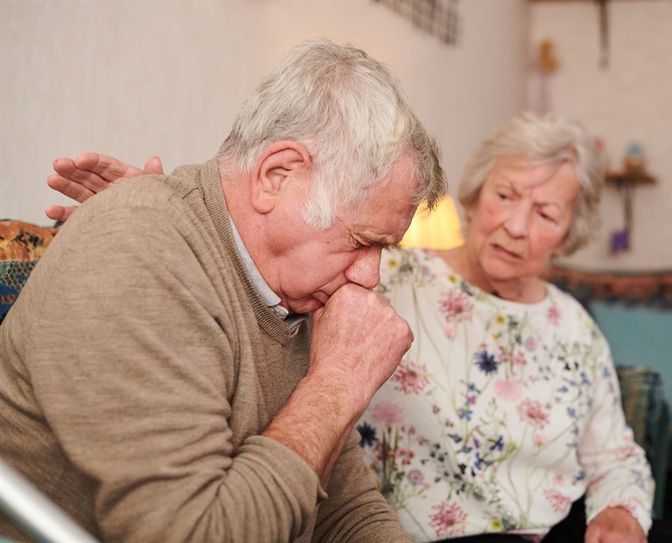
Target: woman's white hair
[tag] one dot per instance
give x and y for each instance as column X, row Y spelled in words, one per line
column 349, row 113
column 539, row 140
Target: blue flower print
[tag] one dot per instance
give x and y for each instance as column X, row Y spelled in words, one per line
column 465, row 414
column 486, row 362
column 368, row 435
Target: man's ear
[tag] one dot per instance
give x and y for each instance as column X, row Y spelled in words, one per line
column 279, row 164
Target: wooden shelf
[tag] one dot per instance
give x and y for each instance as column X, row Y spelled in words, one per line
column 630, row 177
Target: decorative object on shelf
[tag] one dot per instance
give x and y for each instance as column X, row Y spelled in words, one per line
column 603, row 18
column 438, row 17
column 625, row 181
column 439, row 229
column 547, row 64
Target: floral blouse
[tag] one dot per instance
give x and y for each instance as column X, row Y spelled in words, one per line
column 501, row 414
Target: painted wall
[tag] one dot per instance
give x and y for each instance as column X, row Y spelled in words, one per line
column 137, row 77
column 629, row 101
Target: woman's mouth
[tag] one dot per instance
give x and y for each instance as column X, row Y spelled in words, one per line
column 506, row 253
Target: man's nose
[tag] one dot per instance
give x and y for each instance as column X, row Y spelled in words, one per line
column 365, row 270
column 518, row 221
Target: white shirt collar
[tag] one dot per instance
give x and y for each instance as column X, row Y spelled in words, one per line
column 271, row 299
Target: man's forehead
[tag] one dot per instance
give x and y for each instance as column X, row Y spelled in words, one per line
column 386, row 225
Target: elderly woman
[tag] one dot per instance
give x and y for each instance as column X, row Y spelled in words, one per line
column 506, row 410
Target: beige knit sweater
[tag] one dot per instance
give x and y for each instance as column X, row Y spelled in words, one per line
column 138, row 368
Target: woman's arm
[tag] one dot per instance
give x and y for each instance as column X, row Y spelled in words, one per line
column 620, row 487
column 89, row 174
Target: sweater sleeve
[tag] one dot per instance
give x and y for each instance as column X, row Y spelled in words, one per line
column 616, row 468
column 134, row 369
column 356, row 511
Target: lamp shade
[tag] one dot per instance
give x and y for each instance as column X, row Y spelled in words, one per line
column 439, row 229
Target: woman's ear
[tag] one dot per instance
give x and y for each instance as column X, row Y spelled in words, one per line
column 469, row 208
column 560, row 250
column 279, row 164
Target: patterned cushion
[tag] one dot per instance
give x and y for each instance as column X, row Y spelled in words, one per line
column 643, row 404
column 648, row 415
column 21, row 246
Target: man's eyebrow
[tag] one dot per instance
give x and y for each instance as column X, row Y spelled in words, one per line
column 385, row 242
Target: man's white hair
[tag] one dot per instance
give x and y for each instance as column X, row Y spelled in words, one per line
column 349, row 113
column 538, row 140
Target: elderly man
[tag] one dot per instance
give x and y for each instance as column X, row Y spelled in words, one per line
column 157, row 379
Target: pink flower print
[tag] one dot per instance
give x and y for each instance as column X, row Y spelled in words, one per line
column 388, row 414
column 539, row 440
column 411, row 378
column 558, row 501
column 405, row 455
column 505, row 355
column 519, row 359
column 448, row 519
column 507, row 389
column 530, row 343
column 533, row 412
column 456, row 306
column 553, row 314
column 415, row 477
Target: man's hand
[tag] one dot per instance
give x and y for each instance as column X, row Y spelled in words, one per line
column 90, row 174
column 614, row 525
column 357, row 342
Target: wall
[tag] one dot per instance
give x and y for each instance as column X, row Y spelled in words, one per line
column 629, row 101
column 137, row 77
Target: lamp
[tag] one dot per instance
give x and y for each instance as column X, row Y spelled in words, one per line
column 439, row 229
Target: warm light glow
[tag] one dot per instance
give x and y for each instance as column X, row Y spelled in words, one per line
column 438, row 230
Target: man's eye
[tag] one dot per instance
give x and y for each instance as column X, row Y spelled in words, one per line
column 502, row 196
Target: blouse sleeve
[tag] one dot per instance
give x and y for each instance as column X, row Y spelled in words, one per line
column 616, row 468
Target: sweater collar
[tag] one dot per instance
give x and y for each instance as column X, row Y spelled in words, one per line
column 211, row 184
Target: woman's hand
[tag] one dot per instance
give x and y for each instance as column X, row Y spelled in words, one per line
column 614, row 525
column 90, row 174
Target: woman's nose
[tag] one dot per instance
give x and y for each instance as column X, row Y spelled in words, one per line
column 518, row 221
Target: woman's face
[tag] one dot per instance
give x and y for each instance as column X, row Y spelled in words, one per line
column 521, row 218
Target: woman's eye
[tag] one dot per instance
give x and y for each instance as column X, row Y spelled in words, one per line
column 546, row 216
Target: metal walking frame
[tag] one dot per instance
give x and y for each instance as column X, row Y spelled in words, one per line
column 34, row 513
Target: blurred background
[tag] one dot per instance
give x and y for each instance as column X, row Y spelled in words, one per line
column 137, row 77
